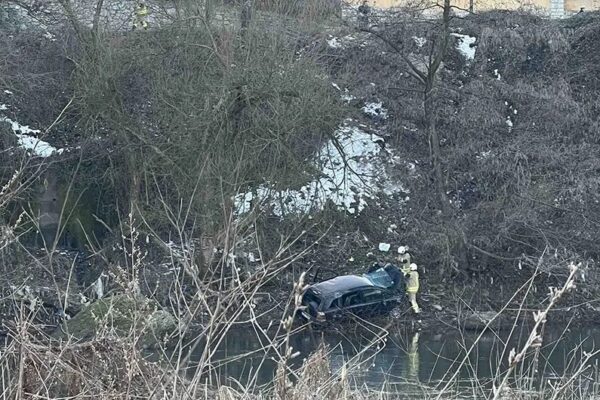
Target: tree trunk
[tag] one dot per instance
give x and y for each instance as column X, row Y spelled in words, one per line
column 96, row 22
column 70, row 13
column 208, row 6
column 436, row 155
column 246, row 16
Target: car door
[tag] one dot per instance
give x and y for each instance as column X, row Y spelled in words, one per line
column 391, row 299
column 352, row 302
column 363, row 301
column 372, row 301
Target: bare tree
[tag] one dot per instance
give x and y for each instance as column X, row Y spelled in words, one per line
column 427, row 75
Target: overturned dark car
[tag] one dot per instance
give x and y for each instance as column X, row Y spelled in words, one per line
column 372, row 293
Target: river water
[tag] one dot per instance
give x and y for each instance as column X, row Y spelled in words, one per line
column 404, row 361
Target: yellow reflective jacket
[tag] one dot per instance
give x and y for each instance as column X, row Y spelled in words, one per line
column 412, row 284
column 405, row 265
column 141, row 11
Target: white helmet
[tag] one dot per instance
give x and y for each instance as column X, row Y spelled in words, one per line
column 413, row 267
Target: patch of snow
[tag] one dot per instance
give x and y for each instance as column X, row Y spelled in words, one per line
column 509, row 123
column 334, row 43
column 335, row 85
column 37, row 146
column 350, row 173
column 243, row 202
column 8, row 92
column 31, row 143
column 385, row 247
column 465, row 45
column 344, row 42
column 375, row 110
column 3, row 107
column 419, row 41
column 515, row 111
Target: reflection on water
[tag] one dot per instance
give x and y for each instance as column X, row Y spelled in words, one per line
column 403, row 360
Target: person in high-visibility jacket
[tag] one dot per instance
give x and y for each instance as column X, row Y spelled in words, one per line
column 412, row 287
column 404, row 259
column 140, row 16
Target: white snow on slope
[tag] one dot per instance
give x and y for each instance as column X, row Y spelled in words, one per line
column 334, row 43
column 464, row 45
column 31, row 143
column 419, row 41
column 348, row 184
column 375, row 110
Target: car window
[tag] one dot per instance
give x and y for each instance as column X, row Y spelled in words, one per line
column 372, row 295
column 351, row 299
column 388, row 294
column 310, row 299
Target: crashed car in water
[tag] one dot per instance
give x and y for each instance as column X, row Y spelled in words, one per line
column 371, row 293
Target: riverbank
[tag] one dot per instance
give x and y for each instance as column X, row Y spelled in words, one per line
column 185, row 181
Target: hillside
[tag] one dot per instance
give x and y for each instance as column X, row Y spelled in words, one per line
column 207, row 165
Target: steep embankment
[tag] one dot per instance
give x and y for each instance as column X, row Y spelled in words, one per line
column 320, row 137
column 519, row 142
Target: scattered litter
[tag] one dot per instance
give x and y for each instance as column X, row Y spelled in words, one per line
column 465, row 45
column 375, row 110
column 3, row 107
column 385, row 247
column 483, row 155
column 8, row 92
column 437, row 307
column 335, row 85
column 347, row 97
column 497, row 74
column 50, row 36
column 99, row 287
